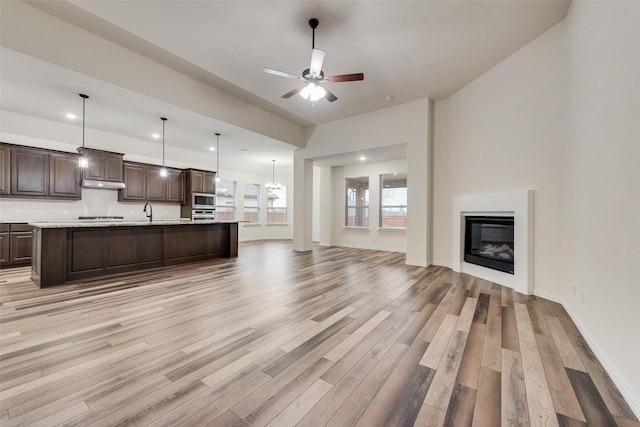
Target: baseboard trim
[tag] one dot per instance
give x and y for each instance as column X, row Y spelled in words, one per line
column 618, row 379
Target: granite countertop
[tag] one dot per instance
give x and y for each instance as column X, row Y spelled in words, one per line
column 120, row 223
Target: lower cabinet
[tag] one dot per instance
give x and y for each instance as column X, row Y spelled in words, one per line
column 16, row 244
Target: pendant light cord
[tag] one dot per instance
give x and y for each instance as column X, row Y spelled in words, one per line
column 218, row 154
column 164, row 119
column 84, row 98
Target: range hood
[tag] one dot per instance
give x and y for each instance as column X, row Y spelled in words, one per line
column 104, row 185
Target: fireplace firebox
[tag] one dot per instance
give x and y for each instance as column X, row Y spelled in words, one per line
column 489, row 242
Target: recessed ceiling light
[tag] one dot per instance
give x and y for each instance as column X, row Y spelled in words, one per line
column 388, row 98
column 155, row 136
column 71, row 116
column 363, row 158
column 212, row 148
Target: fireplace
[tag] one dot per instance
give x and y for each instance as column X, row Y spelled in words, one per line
column 489, row 242
column 516, row 204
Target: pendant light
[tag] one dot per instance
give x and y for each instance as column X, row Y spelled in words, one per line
column 218, row 179
column 273, row 185
column 163, row 171
column 83, row 161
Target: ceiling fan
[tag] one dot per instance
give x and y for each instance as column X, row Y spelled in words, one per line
column 314, row 76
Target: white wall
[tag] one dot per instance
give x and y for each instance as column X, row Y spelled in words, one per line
column 261, row 231
column 372, row 237
column 560, row 117
column 503, row 132
column 402, row 124
column 602, row 181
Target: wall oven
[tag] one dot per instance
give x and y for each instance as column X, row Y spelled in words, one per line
column 203, row 201
column 203, row 214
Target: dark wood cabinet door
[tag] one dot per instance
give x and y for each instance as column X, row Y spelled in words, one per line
column 134, row 181
column 175, row 244
column 216, row 238
column 150, row 247
column 5, row 169
column 4, row 248
column 21, row 247
column 209, row 182
column 122, row 247
column 197, row 181
column 197, row 241
column 64, row 176
column 113, row 170
column 86, row 250
column 104, row 166
column 95, row 170
column 156, row 184
column 29, row 172
column 175, row 186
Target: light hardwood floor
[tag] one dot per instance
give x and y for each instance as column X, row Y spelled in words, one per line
column 336, row 337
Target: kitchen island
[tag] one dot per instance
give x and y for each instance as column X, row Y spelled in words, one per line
column 65, row 251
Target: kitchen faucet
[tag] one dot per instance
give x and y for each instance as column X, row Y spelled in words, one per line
column 150, row 213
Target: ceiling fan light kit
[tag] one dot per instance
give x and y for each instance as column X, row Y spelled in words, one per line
column 313, row 76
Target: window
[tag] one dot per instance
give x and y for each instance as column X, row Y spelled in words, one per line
column 393, row 200
column 252, row 203
column 226, row 200
column 277, row 206
column 357, row 209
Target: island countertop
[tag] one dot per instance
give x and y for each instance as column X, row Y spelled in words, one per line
column 120, row 223
column 65, row 251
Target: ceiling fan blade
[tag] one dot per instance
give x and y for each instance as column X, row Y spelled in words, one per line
column 330, row 96
column 345, row 78
column 293, row 92
column 317, row 58
column 281, row 73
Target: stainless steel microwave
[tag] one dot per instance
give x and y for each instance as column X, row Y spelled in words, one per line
column 203, row 201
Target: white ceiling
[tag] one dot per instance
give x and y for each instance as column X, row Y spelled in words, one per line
column 407, row 50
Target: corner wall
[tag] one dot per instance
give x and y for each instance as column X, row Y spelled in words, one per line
column 560, row 116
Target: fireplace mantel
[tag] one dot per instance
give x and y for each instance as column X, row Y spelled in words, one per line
column 518, row 204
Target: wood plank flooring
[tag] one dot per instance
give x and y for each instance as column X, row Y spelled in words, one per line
column 333, row 337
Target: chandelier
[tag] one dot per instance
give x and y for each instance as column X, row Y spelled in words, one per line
column 273, row 185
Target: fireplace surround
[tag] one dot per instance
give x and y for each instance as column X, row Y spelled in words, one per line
column 517, row 204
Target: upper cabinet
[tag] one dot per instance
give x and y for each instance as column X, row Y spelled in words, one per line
column 104, row 166
column 175, row 186
column 64, row 176
column 29, row 172
column 5, row 169
column 201, row 181
column 34, row 172
column 144, row 183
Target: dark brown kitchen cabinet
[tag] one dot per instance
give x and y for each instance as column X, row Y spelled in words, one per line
column 21, row 247
column 156, row 184
column 135, row 182
column 16, row 244
column 64, row 176
column 175, row 186
column 35, row 172
column 202, row 181
column 104, row 166
column 144, row 182
column 4, row 244
column 5, row 169
column 29, row 172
